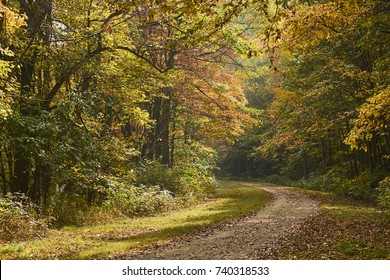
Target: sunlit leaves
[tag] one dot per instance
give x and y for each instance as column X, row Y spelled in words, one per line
column 306, row 25
column 373, row 120
column 330, row 87
column 91, row 87
column 213, row 97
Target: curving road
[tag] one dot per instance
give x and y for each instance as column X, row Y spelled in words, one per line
column 254, row 237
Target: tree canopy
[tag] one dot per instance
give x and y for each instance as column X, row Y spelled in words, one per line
column 325, row 99
column 99, row 98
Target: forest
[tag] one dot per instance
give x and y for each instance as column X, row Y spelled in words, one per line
column 134, row 108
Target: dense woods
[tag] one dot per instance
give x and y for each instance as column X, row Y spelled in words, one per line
column 325, row 113
column 127, row 107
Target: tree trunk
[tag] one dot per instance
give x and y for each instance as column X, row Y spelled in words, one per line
column 155, row 140
column 174, row 116
column 20, row 181
column 165, row 120
column 21, row 178
column 3, row 174
column 247, row 166
column 305, row 170
column 323, row 153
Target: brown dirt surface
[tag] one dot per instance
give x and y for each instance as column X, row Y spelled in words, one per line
column 259, row 236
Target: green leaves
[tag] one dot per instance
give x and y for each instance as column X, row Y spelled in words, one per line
column 91, row 88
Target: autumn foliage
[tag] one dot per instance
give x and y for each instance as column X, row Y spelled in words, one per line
column 132, row 103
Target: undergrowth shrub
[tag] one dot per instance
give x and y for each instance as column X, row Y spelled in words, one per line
column 358, row 188
column 131, row 200
column 149, row 189
column 153, row 173
column 384, row 194
column 328, row 182
column 139, row 188
column 185, row 181
column 20, row 219
column 68, row 208
column 363, row 187
column 277, row 179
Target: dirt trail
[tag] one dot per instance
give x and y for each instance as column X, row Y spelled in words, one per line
column 255, row 237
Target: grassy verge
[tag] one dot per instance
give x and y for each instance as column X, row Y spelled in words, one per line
column 344, row 229
column 125, row 235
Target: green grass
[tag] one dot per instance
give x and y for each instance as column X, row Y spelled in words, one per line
column 344, row 229
column 120, row 236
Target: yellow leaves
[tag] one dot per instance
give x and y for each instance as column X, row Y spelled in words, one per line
column 5, row 106
column 6, row 52
column 374, row 118
column 10, row 23
column 5, row 110
column 309, row 24
column 137, row 116
column 5, row 66
column 11, row 20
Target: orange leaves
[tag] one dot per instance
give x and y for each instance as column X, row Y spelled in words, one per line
column 214, row 97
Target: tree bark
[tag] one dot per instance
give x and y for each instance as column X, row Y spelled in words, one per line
column 165, row 120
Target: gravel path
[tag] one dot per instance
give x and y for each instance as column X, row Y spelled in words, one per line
column 255, row 237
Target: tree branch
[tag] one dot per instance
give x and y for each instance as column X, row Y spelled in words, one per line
column 149, row 61
column 209, row 97
column 68, row 73
column 25, row 7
